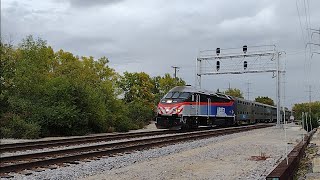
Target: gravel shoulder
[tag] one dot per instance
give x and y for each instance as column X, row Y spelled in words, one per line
column 309, row 168
column 224, row 157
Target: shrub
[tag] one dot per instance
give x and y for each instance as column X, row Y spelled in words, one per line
column 16, row 127
column 314, row 123
column 123, row 124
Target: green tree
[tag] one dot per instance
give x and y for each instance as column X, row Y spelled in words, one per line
column 234, row 92
column 163, row 84
column 304, row 107
column 7, row 63
column 138, row 98
column 137, row 87
column 60, row 92
column 47, row 93
column 264, row 100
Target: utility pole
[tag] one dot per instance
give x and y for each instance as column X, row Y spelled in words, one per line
column 309, row 91
column 278, row 89
column 175, row 71
column 248, row 90
column 284, row 98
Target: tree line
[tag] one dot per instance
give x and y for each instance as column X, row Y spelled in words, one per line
column 237, row 93
column 48, row 93
column 55, row 93
column 312, row 108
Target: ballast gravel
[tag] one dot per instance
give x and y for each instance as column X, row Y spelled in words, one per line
column 223, row 157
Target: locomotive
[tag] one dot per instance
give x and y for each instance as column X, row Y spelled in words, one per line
column 185, row 107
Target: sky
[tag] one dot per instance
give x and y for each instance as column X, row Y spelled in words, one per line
column 152, row 36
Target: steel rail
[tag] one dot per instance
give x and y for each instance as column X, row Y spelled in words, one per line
column 76, row 140
column 286, row 170
column 9, row 164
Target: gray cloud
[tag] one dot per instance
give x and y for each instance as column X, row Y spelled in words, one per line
column 86, row 3
column 151, row 36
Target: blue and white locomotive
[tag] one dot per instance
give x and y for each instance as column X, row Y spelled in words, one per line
column 188, row 107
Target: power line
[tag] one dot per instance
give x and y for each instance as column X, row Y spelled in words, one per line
column 303, row 37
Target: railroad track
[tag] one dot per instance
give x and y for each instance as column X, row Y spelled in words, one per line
column 74, row 155
column 12, row 147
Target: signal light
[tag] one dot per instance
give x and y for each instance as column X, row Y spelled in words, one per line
column 245, row 65
column 218, row 65
column 218, row 51
column 245, row 48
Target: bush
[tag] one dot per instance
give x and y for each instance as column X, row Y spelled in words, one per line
column 16, row 127
column 67, row 108
column 139, row 113
column 123, row 125
column 314, row 123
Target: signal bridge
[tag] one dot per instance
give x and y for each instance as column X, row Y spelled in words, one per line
column 253, row 59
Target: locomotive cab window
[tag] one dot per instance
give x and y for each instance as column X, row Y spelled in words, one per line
column 176, row 95
column 184, row 95
column 169, row 95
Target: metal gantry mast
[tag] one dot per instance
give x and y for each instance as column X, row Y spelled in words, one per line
column 255, row 59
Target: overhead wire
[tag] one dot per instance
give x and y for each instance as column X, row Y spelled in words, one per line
column 302, row 32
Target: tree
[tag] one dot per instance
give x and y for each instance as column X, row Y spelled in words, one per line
column 164, row 84
column 7, row 63
column 264, row 100
column 48, row 93
column 56, row 91
column 234, row 92
column 137, row 87
column 304, row 107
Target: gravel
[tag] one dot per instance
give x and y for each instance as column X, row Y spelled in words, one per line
column 224, row 157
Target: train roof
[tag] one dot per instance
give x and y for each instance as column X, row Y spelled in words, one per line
column 192, row 89
column 258, row 103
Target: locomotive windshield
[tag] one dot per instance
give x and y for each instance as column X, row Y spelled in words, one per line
column 177, row 95
column 184, row 95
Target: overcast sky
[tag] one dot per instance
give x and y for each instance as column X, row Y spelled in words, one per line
column 153, row 35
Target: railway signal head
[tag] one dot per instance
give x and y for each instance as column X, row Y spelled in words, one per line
column 218, row 65
column 245, row 48
column 218, row 51
column 245, row 65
